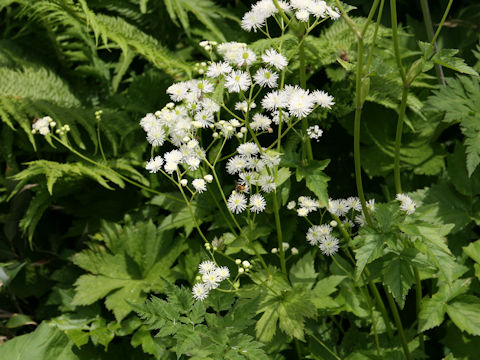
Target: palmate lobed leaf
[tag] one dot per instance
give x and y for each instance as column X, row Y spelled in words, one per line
column 136, row 260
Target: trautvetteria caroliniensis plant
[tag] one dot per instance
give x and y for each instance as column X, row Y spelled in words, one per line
column 261, row 251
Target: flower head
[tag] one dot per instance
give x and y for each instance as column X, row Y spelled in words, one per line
column 257, row 203
column 200, row 291
column 155, row 164
column 237, row 203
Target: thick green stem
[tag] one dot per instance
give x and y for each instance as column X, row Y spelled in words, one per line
column 398, row 141
column 418, row 298
column 398, row 324
column 356, row 135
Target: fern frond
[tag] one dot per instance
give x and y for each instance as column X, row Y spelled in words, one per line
column 206, row 11
column 53, row 171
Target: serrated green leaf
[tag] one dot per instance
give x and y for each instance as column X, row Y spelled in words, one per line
column 464, row 312
column 447, row 58
column 369, row 249
column 316, row 179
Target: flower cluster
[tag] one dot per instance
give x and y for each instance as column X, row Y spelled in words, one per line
column 320, row 235
column 43, row 125
column 406, row 204
column 256, row 18
column 212, row 276
column 314, row 132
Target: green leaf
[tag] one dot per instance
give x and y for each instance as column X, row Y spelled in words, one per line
column 316, row 179
column 447, row 58
column 135, row 260
column 46, row 342
column 303, row 272
column 370, row 248
column 473, row 250
column 464, row 312
column 399, row 278
column 433, row 309
column 455, row 102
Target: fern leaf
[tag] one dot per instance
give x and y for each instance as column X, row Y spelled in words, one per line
column 54, row 171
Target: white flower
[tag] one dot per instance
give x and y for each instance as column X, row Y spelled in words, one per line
column 210, row 105
column 333, row 13
column 208, row 178
column 371, row 204
column 323, row 99
column 154, row 164
column 248, row 148
column 257, row 203
column 246, row 264
column 354, row 203
column 42, row 125
column 200, row 291
column 245, row 57
column 184, row 182
column 148, row 122
column 174, row 156
column 260, row 122
column 193, row 162
column 178, row 91
column 219, row 68
column 266, row 183
column 300, row 4
column 201, row 86
column 337, row 207
column 252, row 20
column 302, row 212
column 291, row 205
column 329, row 245
column 237, row 203
column 199, row 185
column 170, row 167
column 407, row 204
column 301, row 103
column 318, row 9
column 302, row 15
column 236, row 164
column 156, row 136
column 211, row 280
column 237, row 80
column 274, row 100
column 314, row 235
column 243, row 106
column 204, row 118
column 308, row 203
column 266, row 78
column 206, row 267
column 247, row 178
column 314, row 132
column 255, row 164
column 223, row 273
column 273, row 58
column 280, row 115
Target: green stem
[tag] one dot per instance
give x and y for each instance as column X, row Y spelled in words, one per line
column 398, row 140
column 130, row 181
column 356, row 135
column 418, row 298
column 303, row 85
column 398, row 323
column 444, row 17
column 351, row 24
column 257, row 254
column 396, row 46
column 279, row 234
column 325, row 346
column 375, row 33
column 427, row 19
column 371, row 285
